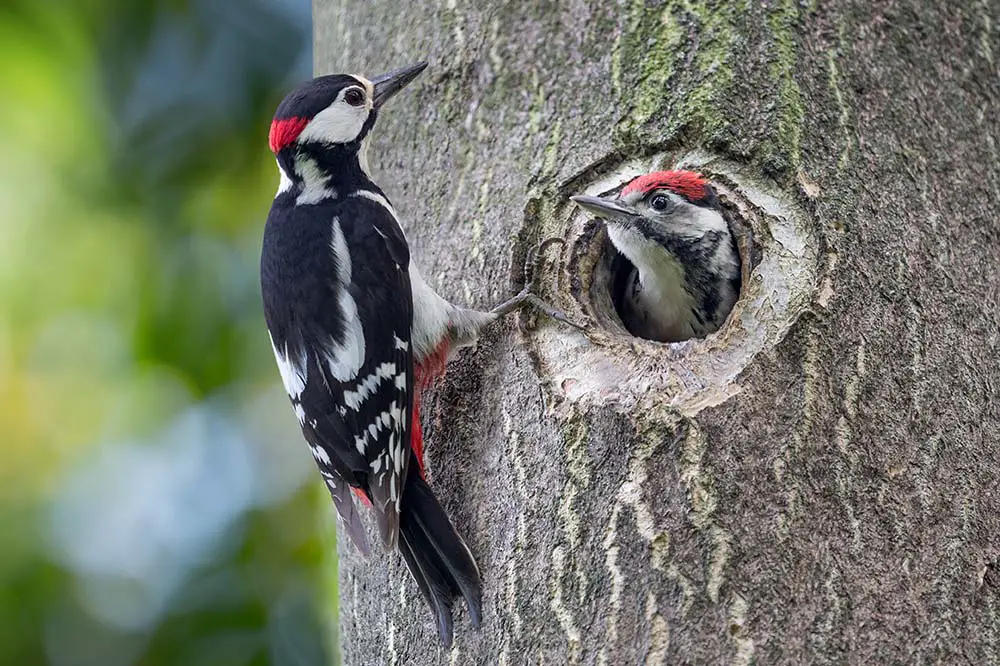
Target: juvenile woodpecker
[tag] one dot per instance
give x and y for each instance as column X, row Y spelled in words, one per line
column 357, row 332
column 685, row 274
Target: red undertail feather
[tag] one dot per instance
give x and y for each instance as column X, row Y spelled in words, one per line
column 688, row 184
column 284, row 131
column 425, row 373
column 362, row 496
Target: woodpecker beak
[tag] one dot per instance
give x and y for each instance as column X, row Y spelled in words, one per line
column 606, row 208
column 391, row 83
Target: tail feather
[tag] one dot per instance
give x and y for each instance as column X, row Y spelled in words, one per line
column 433, row 586
column 436, row 555
column 341, row 494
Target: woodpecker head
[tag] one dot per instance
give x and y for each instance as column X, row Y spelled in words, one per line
column 658, row 205
column 334, row 110
column 670, row 227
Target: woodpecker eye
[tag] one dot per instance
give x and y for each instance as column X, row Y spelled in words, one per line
column 659, row 202
column 354, row 97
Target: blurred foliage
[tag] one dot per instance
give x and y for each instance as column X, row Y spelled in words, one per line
column 156, row 504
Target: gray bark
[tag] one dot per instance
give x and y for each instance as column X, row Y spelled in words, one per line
column 815, row 484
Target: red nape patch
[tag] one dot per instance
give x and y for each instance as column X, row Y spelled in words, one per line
column 362, row 496
column 688, row 184
column 284, row 132
column 425, row 374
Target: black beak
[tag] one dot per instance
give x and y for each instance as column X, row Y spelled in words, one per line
column 391, row 83
column 606, row 208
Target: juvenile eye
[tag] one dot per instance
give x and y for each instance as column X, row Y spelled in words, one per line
column 354, row 97
column 659, row 202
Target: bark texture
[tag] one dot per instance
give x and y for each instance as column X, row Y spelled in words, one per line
column 815, row 484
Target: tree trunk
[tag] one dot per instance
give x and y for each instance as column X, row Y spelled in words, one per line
column 817, row 483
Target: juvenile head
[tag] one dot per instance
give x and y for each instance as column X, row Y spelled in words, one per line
column 685, row 267
column 669, row 202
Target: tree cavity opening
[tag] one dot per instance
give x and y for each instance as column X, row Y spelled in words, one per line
column 778, row 247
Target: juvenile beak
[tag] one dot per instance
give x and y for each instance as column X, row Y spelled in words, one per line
column 606, row 208
column 392, row 82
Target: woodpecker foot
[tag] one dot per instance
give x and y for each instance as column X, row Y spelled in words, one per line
column 527, row 296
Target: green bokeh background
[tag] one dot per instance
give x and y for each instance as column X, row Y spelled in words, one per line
column 156, row 503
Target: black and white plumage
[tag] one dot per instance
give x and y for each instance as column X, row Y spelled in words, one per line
column 349, row 383
column 356, row 330
column 685, row 267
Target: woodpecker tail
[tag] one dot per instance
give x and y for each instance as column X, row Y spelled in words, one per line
column 436, row 555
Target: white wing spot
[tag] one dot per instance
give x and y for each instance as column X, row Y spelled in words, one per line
column 292, row 370
column 300, row 413
column 399, row 459
column 345, row 358
column 320, row 454
column 367, row 386
column 400, row 344
column 392, row 456
column 340, row 252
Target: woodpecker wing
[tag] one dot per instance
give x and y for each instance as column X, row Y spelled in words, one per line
column 376, row 404
column 337, row 298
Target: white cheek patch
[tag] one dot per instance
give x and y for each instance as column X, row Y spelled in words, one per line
column 338, row 123
column 694, row 221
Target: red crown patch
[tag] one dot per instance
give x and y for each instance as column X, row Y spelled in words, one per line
column 688, row 184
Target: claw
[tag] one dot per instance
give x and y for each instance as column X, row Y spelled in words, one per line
column 530, row 263
column 527, row 295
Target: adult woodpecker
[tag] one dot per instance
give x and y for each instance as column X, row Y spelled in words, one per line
column 685, row 274
column 357, row 332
